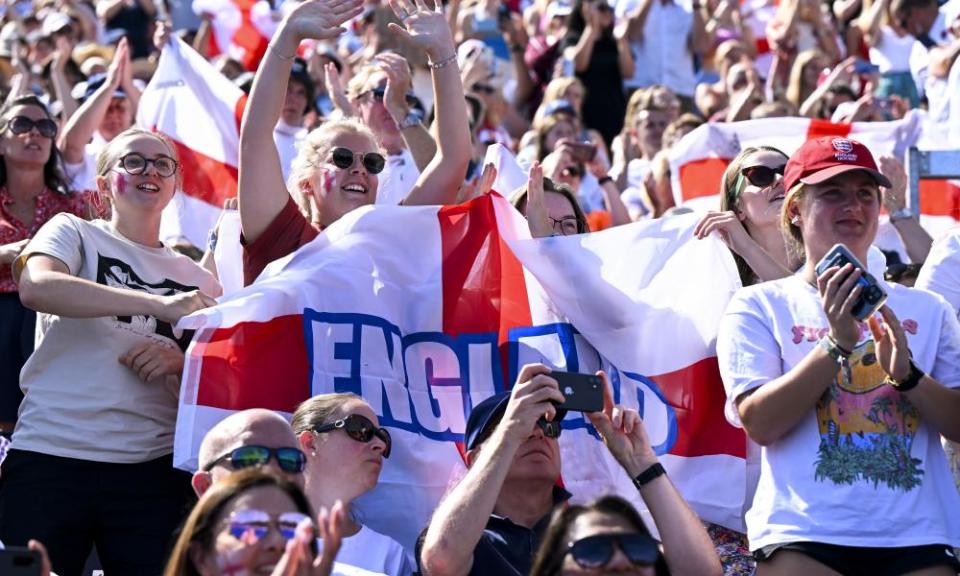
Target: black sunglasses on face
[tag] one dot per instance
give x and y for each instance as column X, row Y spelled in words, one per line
column 762, row 176
column 343, row 159
column 290, row 460
column 380, row 92
column 22, row 124
column 552, row 428
column 597, row 551
column 484, row 89
column 136, row 164
column 361, row 429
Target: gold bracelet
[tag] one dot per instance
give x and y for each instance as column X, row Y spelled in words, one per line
column 443, row 63
column 276, row 51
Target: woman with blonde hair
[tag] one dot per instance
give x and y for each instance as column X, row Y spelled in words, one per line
column 337, row 166
column 255, row 522
column 345, row 450
column 91, row 459
column 804, row 74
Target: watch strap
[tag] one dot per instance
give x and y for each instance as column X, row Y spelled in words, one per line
column 901, row 214
column 409, row 121
column 654, row 471
column 908, row 383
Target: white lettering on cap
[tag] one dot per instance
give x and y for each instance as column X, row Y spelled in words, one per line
column 844, row 150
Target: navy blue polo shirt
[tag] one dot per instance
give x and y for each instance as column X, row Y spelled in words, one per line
column 506, row 548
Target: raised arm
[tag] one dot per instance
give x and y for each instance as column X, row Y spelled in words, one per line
column 427, row 29
column 869, row 21
column 416, row 136
column 261, row 191
column 686, row 546
column 915, row 238
column 82, row 125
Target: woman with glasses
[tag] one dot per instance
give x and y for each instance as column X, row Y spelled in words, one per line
column 337, row 168
column 245, row 524
column 91, row 455
column 751, row 197
column 345, row 450
column 32, row 190
column 551, row 209
column 846, row 383
column 606, row 536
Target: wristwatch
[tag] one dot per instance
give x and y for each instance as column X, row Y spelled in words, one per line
column 908, row 383
column 901, row 214
column 654, row 471
column 410, row 120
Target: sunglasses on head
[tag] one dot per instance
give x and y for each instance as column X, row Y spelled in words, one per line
column 136, row 164
column 290, row 460
column 597, row 551
column 379, row 93
column 251, row 526
column 343, row 159
column 21, row 125
column 361, row 429
column 762, row 176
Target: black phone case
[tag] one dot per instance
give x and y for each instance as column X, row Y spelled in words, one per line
column 872, row 295
column 583, row 392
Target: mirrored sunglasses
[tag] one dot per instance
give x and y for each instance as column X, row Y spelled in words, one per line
column 21, row 125
column 136, row 164
column 597, row 551
column 251, row 526
column 361, row 429
column 290, row 460
column 343, row 158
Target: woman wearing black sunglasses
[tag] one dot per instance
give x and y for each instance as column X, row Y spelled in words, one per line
column 91, row 458
column 751, row 196
column 32, row 190
column 337, row 166
column 604, row 537
column 345, row 449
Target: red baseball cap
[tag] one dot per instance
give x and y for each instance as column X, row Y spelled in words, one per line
column 820, row 159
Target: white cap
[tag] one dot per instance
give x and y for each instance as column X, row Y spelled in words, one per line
column 54, row 22
column 559, row 8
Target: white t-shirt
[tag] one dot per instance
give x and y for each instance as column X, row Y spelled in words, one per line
column 397, row 179
column 79, row 401
column 664, row 56
column 83, row 176
column 846, row 474
column 369, row 553
column 892, row 52
column 941, row 270
column 288, row 139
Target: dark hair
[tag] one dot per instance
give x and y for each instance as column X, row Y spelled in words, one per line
column 576, row 24
column 730, row 199
column 199, row 528
column 553, row 547
column 519, row 200
column 53, row 176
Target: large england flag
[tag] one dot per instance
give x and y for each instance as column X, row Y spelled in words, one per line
column 199, row 109
column 697, row 162
column 426, row 311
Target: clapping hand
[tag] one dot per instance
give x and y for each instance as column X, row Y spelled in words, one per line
column 893, row 353
column 424, row 27
column 321, row 19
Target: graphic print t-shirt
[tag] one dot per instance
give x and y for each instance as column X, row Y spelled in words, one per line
column 79, row 401
column 862, row 468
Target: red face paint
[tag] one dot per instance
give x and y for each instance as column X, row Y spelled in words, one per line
column 121, row 184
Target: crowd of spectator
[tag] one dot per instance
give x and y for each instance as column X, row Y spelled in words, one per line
column 397, row 102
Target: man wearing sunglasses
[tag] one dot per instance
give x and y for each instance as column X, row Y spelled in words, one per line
column 249, row 438
column 493, row 520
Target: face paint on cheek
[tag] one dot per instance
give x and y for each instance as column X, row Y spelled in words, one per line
column 121, row 184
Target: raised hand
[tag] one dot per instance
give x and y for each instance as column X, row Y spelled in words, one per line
column 727, row 224
column 892, row 348
column 425, row 27
column 537, row 216
column 116, row 72
column 838, row 293
column 895, row 197
column 534, row 396
column 298, row 560
column 623, row 433
column 321, row 19
column 398, row 83
column 335, row 89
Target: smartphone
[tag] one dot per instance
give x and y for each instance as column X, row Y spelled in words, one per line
column 17, row 561
column 583, row 392
column 865, row 67
column 582, row 152
column 872, row 296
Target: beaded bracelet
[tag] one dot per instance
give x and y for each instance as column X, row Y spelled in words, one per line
column 443, row 63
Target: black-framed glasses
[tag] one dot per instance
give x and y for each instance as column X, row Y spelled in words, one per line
column 135, row 164
column 379, row 92
column 22, row 124
column 361, row 429
column 762, row 176
column 290, row 460
column 597, row 551
column 566, row 226
column 343, row 158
